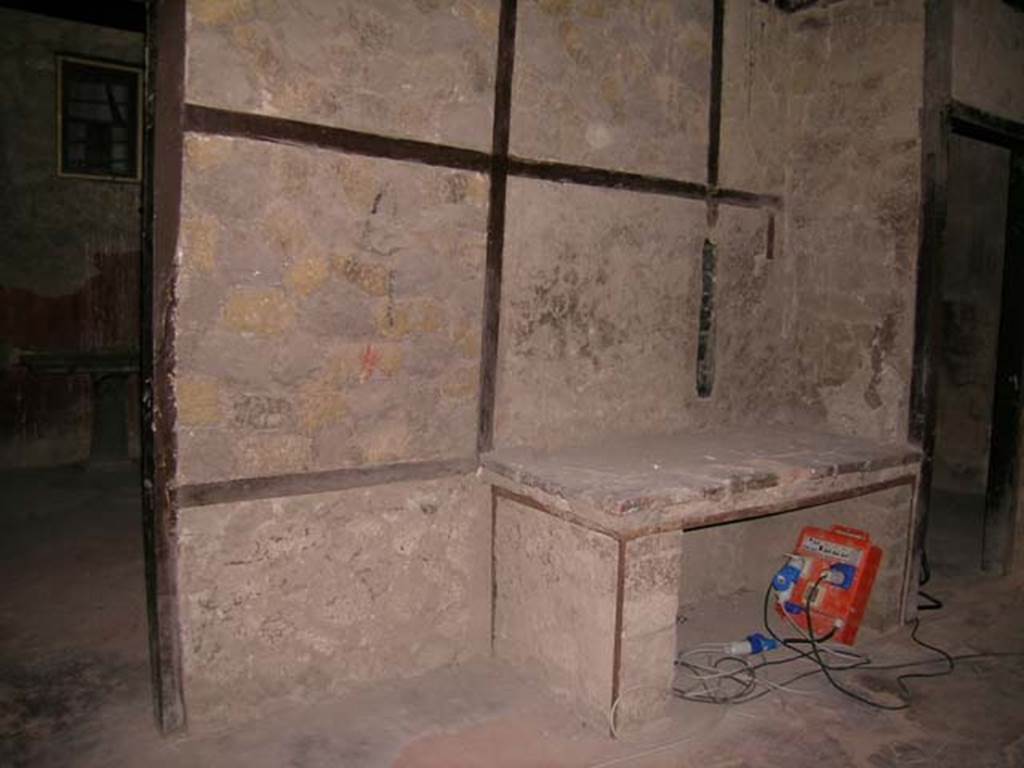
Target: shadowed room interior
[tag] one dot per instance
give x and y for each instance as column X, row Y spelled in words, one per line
column 478, row 383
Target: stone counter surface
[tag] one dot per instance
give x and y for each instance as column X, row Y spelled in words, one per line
column 690, row 480
column 592, row 566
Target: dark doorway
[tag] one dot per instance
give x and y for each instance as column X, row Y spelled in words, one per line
column 977, row 355
column 1003, row 467
column 72, row 601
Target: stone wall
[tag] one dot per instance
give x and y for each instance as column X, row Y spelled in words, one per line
column 69, row 248
column 306, row 597
column 599, row 323
column 852, row 203
column 602, row 288
column 614, row 85
column 329, row 318
column 330, row 304
column 755, row 99
column 421, row 70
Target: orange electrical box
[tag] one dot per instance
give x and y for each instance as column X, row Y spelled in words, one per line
column 838, row 567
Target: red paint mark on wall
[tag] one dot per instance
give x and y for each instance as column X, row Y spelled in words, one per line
column 370, row 359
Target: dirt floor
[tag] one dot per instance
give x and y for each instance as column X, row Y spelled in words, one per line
column 74, row 678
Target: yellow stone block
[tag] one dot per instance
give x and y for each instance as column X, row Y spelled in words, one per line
column 260, row 311
column 198, row 401
column 461, row 383
column 321, row 403
column 484, row 17
column 307, row 274
column 361, row 186
column 555, row 7
column 388, row 443
column 286, row 228
column 478, row 189
column 204, row 153
column 467, row 341
column 390, row 359
column 268, row 453
column 343, row 362
column 219, row 11
column 405, row 318
column 200, row 243
column 372, row 279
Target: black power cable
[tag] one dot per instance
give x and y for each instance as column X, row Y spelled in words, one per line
column 746, row 676
column 900, row 681
column 787, row 642
column 890, row 667
column 824, row 668
column 933, row 603
column 925, row 575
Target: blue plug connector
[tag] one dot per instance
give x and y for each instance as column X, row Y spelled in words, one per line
column 754, row 644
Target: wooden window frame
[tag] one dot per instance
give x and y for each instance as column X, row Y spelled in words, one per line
column 137, row 73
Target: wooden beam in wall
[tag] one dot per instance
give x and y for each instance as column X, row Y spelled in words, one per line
column 246, row 125
column 302, row 483
column 203, row 120
column 496, row 225
column 604, row 177
column 705, row 363
column 934, row 168
column 715, row 92
column 980, row 125
column 210, row 121
column 164, row 116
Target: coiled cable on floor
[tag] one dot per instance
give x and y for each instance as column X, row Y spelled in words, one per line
column 724, row 678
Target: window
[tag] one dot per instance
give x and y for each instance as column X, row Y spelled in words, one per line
column 98, row 119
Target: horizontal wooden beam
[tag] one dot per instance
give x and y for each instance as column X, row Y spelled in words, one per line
column 978, row 124
column 303, row 483
column 604, row 177
column 246, row 125
column 742, row 199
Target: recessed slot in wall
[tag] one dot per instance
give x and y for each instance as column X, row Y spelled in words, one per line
column 706, row 327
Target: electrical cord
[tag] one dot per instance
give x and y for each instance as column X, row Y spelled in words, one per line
column 900, row 680
column 950, row 662
column 711, row 677
column 900, row 665
column 933, row 603
column 925, row 574
column 808, row 603
column 790, row 643
column 923, row 577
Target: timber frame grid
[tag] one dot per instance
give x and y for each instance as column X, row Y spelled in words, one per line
column 167, row 119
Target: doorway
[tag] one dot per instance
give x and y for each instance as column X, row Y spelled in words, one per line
column 73, row 652
column 977, row 352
